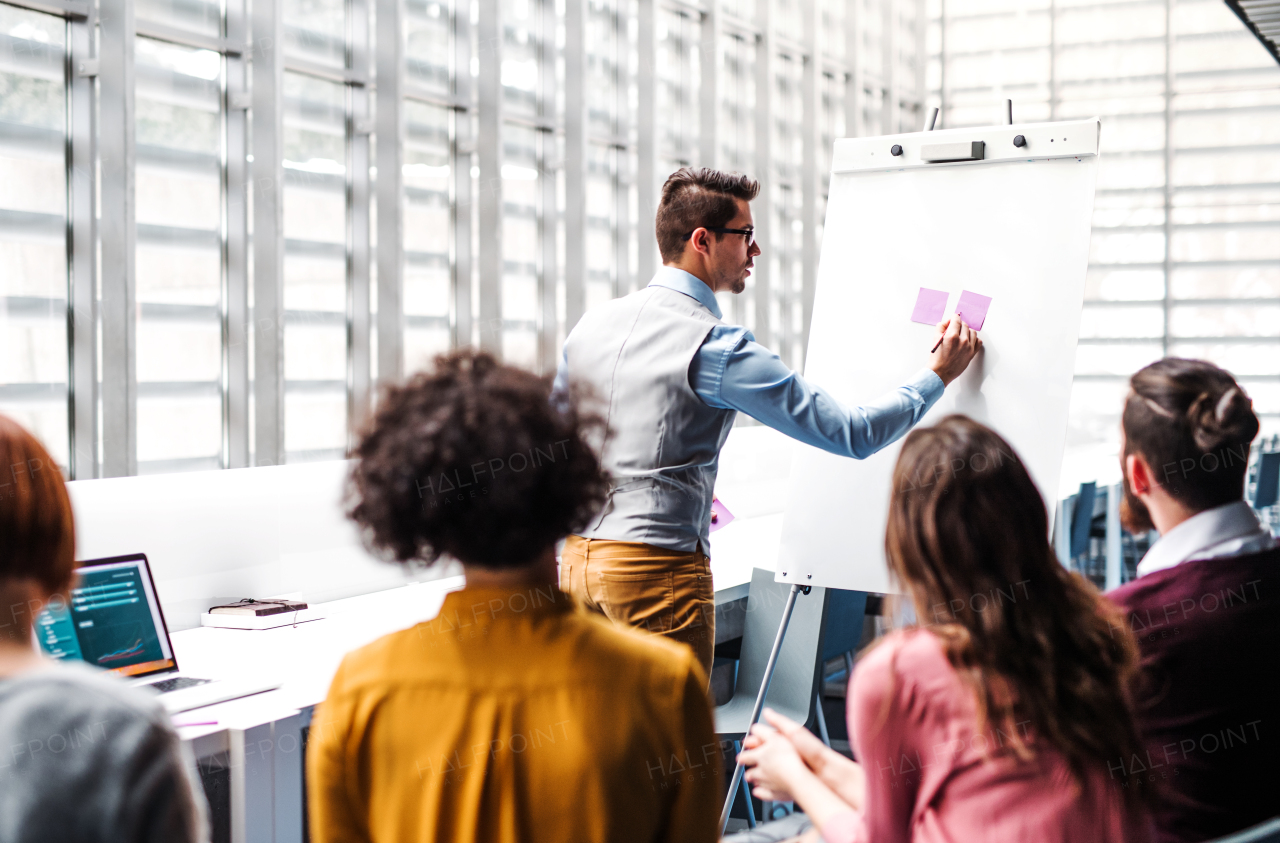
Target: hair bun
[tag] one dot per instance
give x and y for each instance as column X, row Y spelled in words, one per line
column 1228, row 420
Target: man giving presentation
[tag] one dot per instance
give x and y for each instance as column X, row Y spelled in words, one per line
column 671, row 376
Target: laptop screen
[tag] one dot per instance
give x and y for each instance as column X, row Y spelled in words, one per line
column 113, row 620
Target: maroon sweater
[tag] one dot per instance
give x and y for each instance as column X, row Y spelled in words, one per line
column 1209, row 709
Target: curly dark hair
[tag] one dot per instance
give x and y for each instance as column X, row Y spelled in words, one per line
column 474, row 460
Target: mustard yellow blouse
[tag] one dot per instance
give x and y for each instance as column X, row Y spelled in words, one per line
column 512, row 716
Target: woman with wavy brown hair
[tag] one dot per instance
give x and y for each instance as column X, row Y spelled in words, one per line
column 1005, row 715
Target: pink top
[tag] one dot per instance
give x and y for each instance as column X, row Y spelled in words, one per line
column 914, row 729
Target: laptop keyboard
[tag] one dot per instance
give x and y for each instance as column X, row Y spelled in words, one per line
column 164, row 686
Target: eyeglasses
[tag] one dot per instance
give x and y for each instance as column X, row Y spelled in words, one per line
column 749, row 233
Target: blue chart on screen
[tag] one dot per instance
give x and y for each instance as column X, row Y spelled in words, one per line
column 112, row 619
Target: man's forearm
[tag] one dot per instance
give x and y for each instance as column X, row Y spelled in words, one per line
column 811, row 415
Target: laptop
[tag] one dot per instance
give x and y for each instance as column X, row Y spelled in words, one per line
column 114, row 621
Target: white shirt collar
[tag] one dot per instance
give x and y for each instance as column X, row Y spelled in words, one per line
column 1228, row 530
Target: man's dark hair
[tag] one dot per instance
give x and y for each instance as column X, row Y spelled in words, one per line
column 474, row 460
column 1193, row 424
column 698, row 198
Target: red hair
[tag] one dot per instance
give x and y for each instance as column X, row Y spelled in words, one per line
column 37, row 529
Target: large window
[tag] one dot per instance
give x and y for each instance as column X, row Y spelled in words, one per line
column 431, row 165
column 33, row 226
column 610, row 116
column 1185, row 253
column 736, row 136
column 217, row 268
column 786, row 226
column 678, row 74
column 179, row 267
column 737, row 102
column 300, row 200
column 427, row 229
column 315, row 266
column 528, row 184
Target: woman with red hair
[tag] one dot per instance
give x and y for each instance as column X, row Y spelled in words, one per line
column 87, row 759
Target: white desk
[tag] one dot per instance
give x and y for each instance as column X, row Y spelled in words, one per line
column 221, row 535
column 259, row 738
column 304, row 658
column 754, row 466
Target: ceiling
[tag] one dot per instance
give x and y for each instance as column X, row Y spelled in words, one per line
column 1263, row 19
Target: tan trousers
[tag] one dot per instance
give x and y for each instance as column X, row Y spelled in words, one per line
column 667, row 592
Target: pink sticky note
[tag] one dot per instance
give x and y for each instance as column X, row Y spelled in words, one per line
column 930, row 306
column 720, row 516
column 973, row 309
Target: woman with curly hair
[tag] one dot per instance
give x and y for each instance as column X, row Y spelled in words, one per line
column 1005, row 716
column 511, row 716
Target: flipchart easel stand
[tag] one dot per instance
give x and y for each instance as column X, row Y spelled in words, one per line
column 796, row 590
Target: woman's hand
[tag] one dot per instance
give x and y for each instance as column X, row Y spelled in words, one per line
column 778, row 772
column 810, row 746
column 775, row 768
column 842, row 775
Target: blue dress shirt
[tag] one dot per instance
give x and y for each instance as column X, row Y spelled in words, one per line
column 732, row 371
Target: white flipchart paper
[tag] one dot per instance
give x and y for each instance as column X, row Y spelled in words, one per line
column 1012, row 227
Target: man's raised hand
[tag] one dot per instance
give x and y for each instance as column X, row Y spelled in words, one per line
column 957, row 344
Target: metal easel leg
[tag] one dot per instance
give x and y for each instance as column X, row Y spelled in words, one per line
column 755, row 711
column 822, row 721
column 746, row 793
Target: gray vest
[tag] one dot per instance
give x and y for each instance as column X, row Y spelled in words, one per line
column 663, row 444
